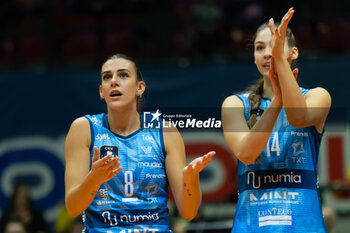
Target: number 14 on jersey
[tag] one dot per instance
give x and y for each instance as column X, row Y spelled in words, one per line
column 275, row 145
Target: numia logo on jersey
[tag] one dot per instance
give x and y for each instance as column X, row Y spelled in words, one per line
column 106, row 215
column 258, row 180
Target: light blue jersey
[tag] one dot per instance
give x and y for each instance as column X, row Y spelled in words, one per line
column 279, row 193
column 135, row 200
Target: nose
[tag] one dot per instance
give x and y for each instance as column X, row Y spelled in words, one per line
column 268, row 52
column 115, row 81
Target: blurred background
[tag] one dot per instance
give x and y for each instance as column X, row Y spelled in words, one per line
column 192, row 54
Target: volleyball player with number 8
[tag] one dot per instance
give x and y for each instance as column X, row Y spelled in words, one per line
column 275, row 129
column 124, row 188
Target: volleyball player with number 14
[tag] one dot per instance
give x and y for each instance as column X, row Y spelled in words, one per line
column 275, row 129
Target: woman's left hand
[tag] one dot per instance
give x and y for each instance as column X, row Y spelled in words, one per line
column 279, row 34
column 197, row 165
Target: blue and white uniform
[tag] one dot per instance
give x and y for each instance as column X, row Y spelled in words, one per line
column 280, row 193
column 135, row 200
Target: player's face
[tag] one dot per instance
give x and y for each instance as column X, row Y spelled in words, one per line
column 119, row 85
column 263, row 51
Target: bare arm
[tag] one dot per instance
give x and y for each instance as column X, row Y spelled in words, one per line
column 302, row 111
column 245, row 143
column 184, row 180
column 81, row 183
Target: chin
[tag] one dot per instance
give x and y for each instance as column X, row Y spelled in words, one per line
column 264, row 73
column 115, row 106
column 118, row 106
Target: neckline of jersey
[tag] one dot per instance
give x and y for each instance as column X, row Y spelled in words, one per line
column 106, row 125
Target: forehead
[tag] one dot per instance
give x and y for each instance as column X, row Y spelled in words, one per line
column 118, row 64
column 264, row 35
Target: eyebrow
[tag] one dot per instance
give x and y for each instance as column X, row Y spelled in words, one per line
column 259, row 42
column 108, row 71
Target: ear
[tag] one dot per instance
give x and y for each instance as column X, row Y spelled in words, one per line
column 141, row 86
column 293, row 54
column 101, row 93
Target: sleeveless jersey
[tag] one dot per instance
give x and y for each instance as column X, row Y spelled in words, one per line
column 135, row 200
column 279, row 193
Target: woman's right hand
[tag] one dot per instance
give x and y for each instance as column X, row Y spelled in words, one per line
column 105, row 168
column 274, row 78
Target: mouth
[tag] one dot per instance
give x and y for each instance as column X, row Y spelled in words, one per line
column 115, row 94
column 267, row 65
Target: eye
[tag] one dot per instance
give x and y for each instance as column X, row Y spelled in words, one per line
column 259, row 47
column 106, row 77
column 123, row 74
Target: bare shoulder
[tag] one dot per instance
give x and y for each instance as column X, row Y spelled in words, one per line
column 80, row 122
column 170, row 132
column 172, row 138
column 79, row 127
column 79, row 131
column 232, row 105
column 320, row 95
column 318, row 91
column 232, row 101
